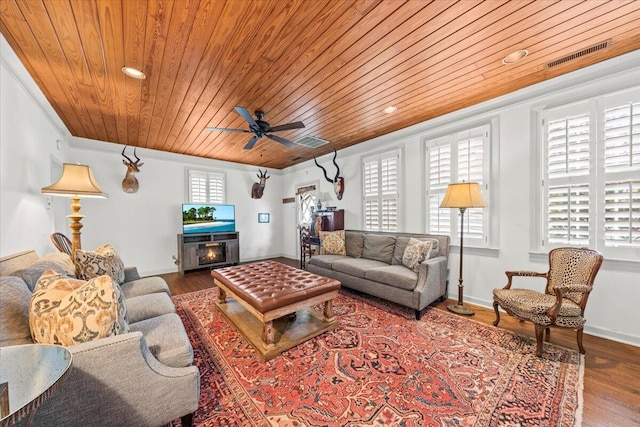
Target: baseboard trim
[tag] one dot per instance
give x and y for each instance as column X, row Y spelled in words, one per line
column 596, row 331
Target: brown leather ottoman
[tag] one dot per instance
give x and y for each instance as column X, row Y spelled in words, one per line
column 265, row 293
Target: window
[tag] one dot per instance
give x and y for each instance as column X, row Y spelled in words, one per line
column 591, row 175
column 306, row 198
column 205, row 187
column 380, row 174
column 458, row 157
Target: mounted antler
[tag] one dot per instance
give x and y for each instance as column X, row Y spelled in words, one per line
column 130, row 182
column 338, row 181
column 258, row 187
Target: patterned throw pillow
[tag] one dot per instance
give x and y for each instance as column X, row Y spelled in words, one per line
column 332, row 243
column 416, row 252
column 68, row 311
column 103, row 260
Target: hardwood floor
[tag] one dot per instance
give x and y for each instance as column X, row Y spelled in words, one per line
column 612, row 369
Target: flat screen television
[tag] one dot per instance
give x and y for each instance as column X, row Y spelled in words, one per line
column 208, row 218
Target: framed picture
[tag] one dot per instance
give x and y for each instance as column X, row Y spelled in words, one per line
column 263, row 217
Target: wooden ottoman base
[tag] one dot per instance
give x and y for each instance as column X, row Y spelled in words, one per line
column 273, row 332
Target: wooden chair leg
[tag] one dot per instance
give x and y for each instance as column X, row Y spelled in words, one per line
column 547, row 334
column 580, row 346
column 539, row 336
column 495, row 308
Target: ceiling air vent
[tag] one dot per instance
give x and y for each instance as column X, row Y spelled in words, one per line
column 578, row 54
column 310, row 141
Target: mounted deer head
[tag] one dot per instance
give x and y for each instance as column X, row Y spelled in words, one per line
column 338, row 181
column 258, row 187
column 130, row 182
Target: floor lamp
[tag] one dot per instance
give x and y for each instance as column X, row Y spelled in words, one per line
column 462, row 195
column 76, row 181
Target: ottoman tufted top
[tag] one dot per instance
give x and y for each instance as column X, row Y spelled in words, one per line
column 269, row 285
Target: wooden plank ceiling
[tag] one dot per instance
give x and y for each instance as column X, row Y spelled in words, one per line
column 334, row 64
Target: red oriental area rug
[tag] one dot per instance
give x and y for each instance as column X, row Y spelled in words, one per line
column 381, row 367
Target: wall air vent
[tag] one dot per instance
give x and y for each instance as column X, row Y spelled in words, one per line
column 309, row 141
column 580, row 53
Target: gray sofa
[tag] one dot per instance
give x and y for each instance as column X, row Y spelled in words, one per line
column 373, row 265
column 144, row 377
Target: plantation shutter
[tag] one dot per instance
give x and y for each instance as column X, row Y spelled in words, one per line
column 206, row 187
column 459, row 157
column 389, row 179
column 381, row 191
column 622, row 137
column 439, row 161
column 568, row 214
column 471, row 169
column 622, row 179
column 622, row 212
column 591, row 174
column 372, row 215
column 371, row 190
column 568, row 142
column 568, row 155
column 216, row 188
column 197, row 187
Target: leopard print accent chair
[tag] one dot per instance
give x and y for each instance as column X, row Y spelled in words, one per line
column 570, row 278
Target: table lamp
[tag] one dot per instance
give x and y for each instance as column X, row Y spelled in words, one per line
column 76, row 181
column 462, row 195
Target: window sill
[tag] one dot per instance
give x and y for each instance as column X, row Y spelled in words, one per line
column 474, row 250
column 608, row 263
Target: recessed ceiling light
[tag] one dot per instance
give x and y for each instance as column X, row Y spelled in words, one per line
column 516, row 56
column 390, row 109
column 132, row 72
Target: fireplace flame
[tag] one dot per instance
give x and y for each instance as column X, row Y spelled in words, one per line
column 211, row 254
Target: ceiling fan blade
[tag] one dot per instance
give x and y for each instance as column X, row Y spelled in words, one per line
column 281, row 140
column 252, row 142
column 294, row 125
column 247, row 116
column 228, row 130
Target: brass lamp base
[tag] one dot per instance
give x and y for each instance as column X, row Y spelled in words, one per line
column 461, row 309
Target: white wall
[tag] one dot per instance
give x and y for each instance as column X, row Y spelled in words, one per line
column 29, row 136
column 143, row 226
column 612, row 308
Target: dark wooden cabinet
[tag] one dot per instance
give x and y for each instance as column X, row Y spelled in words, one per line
column 330, row 220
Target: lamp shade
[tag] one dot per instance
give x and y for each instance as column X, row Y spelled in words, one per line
column 76, row 180
column 463, row 195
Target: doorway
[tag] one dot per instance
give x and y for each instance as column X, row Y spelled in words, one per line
column 306, row 198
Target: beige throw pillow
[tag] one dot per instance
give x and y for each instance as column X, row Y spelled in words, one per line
column 332, row 243
column 103, row 260
column 416, row 252
column 68, row 311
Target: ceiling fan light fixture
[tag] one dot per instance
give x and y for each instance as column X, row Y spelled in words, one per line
column 390, row 109
column 516, row 56
column 261, row 128
column 133, row 72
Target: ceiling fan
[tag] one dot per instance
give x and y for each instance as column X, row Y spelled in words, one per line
column 261, row 128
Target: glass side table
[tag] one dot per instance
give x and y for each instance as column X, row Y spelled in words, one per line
column 29, row 374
